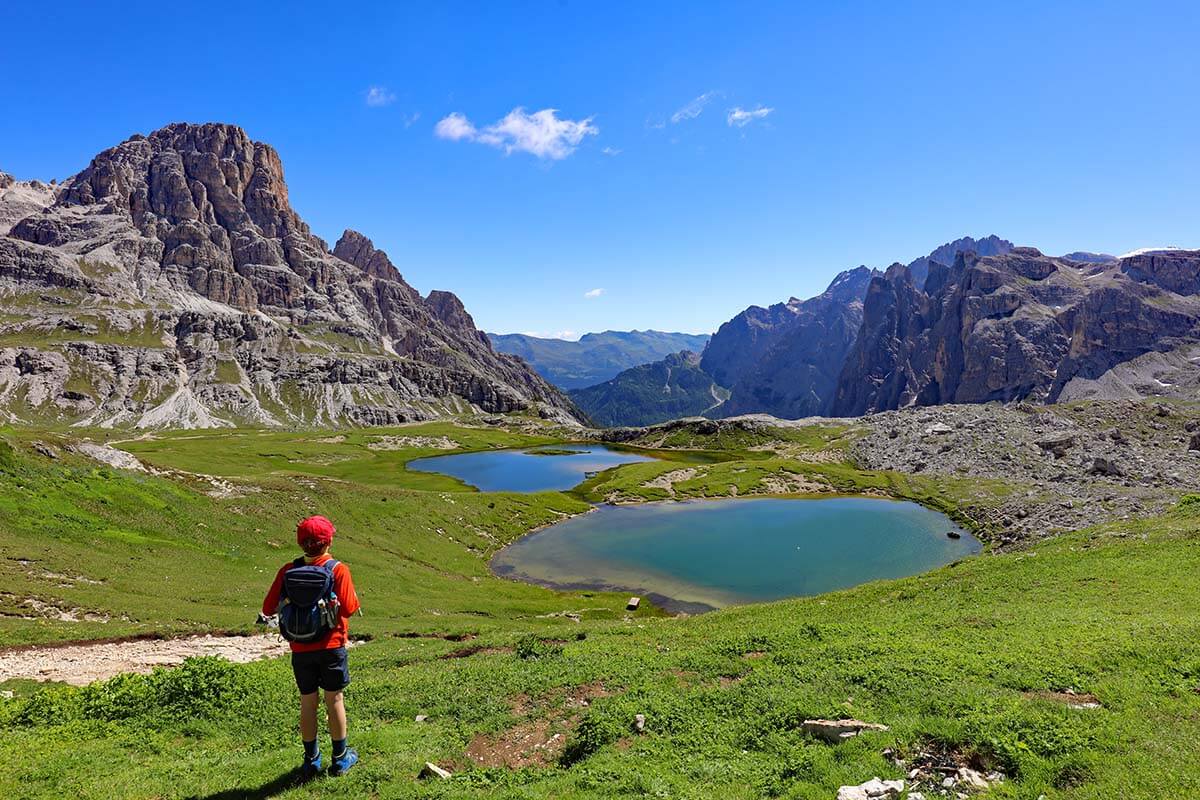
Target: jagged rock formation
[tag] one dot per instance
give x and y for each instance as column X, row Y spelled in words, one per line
column 1023, row 326
column 596, row 357
column 987, row 246
column 171, row 283
column 784, row 360
column 356, row 249
column 644, row 395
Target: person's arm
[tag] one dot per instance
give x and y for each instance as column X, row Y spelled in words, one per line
column 343, row 587
column 271, row 602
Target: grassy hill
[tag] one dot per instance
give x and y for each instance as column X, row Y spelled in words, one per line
column 973, row 661
column 650, row 393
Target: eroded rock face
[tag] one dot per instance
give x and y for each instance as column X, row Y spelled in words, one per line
column 356, row 249
column 784, row 360
column 1015, row 326
column 172, row 283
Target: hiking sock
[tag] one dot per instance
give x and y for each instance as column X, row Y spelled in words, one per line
column 312, row 750
column 339, row 748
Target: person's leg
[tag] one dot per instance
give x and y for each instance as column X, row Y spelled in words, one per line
column 307, row 676
column 335, row 706
column 335, row 678
column 308, row 716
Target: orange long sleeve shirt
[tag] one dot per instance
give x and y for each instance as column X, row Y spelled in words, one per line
column 343, row 587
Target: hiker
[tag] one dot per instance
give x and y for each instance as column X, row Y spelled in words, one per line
column 314, row 598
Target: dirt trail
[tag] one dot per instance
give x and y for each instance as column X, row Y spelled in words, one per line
column 81, row 664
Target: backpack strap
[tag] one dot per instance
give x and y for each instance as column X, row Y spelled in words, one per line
column 299, row 562
column 329, row 566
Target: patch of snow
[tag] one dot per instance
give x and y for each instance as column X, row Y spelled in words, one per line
column 1141, row 251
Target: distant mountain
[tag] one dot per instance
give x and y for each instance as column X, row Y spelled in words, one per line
column 784, row 360
column 668, row 389
column 787, row 359
column 596, row 357
column 1089, row 257
column 987, row 246
column 1025, row 326
column 170, row 283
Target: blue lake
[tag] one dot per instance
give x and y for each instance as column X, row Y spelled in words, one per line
column 527, row 470
column 704, row 554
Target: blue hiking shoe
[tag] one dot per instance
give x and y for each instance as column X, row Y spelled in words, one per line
column 310, row 768
column 342, row 764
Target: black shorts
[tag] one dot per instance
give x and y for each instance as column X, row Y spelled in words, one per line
column 321, row 669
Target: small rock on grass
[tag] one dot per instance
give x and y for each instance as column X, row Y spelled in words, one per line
column 420, row 717
column 432, row 770
column 639, row 722
column 836, row 730
column 871, row 790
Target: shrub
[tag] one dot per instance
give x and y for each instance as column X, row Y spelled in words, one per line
column 535, row 647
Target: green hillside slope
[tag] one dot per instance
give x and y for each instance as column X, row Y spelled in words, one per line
column 973, row 661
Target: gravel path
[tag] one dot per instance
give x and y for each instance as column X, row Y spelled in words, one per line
column 81, row 664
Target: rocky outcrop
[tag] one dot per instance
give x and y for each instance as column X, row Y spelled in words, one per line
column 1015, row 326
column 784, row 360
column 172, row 283
column 987, row 246
column 356, row 249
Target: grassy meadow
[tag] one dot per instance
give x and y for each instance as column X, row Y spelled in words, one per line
column 973, row 659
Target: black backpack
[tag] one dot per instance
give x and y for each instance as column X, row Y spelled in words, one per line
column 308, row 607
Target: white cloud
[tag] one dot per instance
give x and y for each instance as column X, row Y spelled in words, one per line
column 380, row 96
column 541, row 133
column 739, row 117
column 610, row 151
column 454, row 127
column 591, row 293
column 693, row 109
column 409, row 119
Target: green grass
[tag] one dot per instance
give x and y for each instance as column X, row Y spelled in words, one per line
column 733, row 438
column 956, row 657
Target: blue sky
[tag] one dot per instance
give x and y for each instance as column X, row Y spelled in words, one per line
column 700, row 157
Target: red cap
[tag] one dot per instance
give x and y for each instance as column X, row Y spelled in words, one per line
column 315, row 529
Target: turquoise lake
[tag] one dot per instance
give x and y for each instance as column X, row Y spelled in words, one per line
column 526, row 470
column 704, row 554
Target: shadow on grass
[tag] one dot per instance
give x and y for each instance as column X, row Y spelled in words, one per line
column 287, row 780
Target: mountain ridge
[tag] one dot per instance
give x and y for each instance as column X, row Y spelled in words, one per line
column 596, row 357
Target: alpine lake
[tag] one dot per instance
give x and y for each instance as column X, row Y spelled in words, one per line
column 697, row 555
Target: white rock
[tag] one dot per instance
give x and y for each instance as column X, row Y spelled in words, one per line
column 836, row 730
column 420, row 717
column 972, row 779
column 432, row 770
column 872, row 789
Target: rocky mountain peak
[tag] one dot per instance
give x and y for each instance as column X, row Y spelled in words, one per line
column 356, row 249
column 851, row 285
column 991, row 245
column 239, row 313
column 450, row 310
